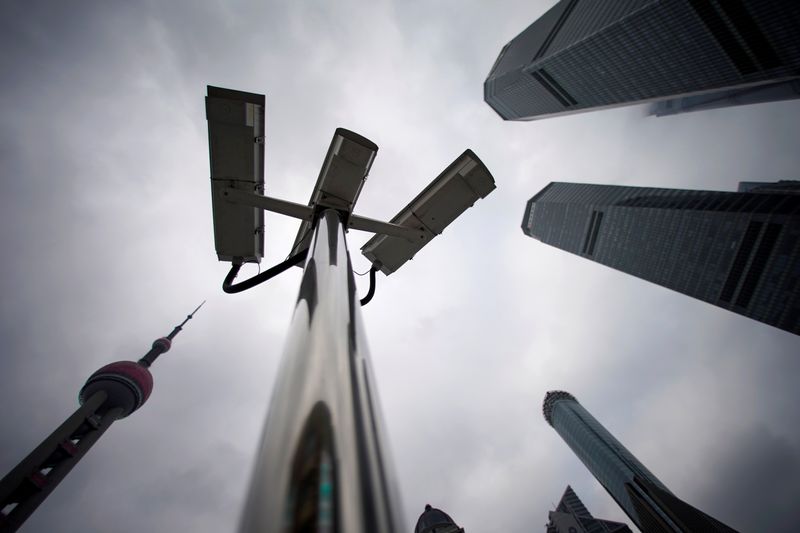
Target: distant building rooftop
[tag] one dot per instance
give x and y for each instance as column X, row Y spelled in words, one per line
column 434, row 520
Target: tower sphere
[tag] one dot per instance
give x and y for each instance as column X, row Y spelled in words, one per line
column 162, row 343
column 126, row 384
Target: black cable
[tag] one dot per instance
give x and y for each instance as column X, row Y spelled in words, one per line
column 365, row 300
column 230, row 288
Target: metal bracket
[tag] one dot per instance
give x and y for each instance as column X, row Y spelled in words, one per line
column 385, row 228
column 238, row 196
column 305, row 212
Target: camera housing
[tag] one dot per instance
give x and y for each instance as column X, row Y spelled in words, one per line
column 236, row 150
column 340, row 180
column 455, row 190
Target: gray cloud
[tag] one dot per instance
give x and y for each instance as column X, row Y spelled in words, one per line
column 756, row 457
column 105, row 229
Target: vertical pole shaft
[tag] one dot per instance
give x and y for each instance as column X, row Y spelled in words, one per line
column 322, row 464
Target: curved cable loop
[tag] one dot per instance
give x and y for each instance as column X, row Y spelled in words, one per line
column 230, row 288
column 366, row 299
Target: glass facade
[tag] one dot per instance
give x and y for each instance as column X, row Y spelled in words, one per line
column 605, row 457
column 646, row 501
column 586, row 54
column 771, row 92
column 737, row 250
column 571, row 516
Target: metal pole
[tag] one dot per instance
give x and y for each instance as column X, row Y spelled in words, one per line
column 322, row 464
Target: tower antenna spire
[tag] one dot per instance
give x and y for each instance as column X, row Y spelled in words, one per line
column 179, row 327
column 163, row 344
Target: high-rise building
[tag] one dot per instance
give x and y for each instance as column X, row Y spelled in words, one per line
column 770, row 92
column 644, row 498
column 589, row 54
column 736, row 250
column 113, row 392
column 571, row 516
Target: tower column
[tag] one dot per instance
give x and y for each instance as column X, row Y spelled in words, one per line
column 112, row 392
column 24, row 488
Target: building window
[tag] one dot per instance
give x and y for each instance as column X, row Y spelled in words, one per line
column 554, row 88
column 591, row 233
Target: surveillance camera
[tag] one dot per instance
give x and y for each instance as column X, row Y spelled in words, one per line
column 340, row 180
column 236, row 150
column 454, row 191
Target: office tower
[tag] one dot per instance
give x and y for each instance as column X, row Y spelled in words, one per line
column 736, row 250
column 571, row 516
column 647, row 502
column 113, row 392
column 589, row 54
column 433, row 520
column 770, row 92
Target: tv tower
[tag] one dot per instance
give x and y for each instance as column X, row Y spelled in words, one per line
column 111, row 393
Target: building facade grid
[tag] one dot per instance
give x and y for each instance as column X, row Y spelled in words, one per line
column 588, row 54
column 736, row 250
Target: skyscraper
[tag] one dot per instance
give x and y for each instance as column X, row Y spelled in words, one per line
column 736, row 250
column 590, row 54
column 770, row 92
column 571, row 516
column 111, row 393
column 647, row 502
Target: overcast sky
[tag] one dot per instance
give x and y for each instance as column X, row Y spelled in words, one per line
column 106, row 234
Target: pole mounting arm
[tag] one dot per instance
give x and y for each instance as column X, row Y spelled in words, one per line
column 385, row 228
column 305, row 212
column 275, row 205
